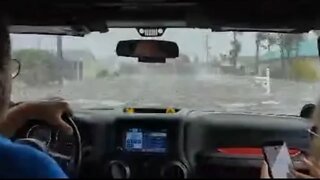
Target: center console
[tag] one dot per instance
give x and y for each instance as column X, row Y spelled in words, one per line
column 148, row 148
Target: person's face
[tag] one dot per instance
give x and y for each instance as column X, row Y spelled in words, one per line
column 148, row 49
column 5, row 76
column 315, row 145
column 315, row 116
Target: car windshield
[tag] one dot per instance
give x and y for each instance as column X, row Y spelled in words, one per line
column 221, row 71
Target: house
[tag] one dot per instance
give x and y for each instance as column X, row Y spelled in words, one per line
column 74, row 62
column 248, row 62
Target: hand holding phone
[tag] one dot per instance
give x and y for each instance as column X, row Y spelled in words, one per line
column 279, row 162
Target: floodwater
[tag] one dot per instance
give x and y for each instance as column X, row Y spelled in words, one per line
column 209, row 91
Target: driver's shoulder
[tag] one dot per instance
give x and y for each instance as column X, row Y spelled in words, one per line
column 8, row 147
column 13, row 153
column 26, row 160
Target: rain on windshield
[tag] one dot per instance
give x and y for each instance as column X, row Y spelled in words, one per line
column 221, row 71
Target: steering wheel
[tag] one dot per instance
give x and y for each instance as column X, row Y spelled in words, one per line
column 70, row 164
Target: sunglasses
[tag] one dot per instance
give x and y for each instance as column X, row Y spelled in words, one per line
column 15, row 67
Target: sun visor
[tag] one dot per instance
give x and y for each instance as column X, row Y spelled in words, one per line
column 50, row 30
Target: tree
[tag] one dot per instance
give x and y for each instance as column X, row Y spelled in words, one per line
column 78, row 55
column 38, row 66
column 102, row 74
column 288, row 43
column 235, row 49
column 266, row 41
column 271, row 40
column 183, row 58
column 223, row 57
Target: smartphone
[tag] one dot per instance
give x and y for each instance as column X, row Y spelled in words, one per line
column 277, row 156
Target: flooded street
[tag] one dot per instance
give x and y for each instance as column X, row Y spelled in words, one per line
column 201, row 91
column 192, row 80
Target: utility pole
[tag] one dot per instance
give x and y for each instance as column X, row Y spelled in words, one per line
column 60, row 60
column 39, row 42
column 207, row 47
column 59, row 48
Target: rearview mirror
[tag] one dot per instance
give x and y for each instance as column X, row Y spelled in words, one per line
column 149, row 51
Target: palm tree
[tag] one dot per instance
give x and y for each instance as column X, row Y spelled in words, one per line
column 266, row 41
column 287, row 44
column 271, row 41
column 236, row 48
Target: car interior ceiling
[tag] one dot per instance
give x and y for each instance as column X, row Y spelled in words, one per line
column 197, row 142
column 218, row 15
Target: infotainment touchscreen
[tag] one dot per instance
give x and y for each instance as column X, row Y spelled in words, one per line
column 143, row 140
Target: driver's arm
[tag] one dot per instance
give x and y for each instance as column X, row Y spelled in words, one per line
column 22, row 161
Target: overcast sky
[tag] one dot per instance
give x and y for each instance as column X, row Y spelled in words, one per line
column 190, row 41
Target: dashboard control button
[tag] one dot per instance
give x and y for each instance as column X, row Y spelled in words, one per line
column 119, row 148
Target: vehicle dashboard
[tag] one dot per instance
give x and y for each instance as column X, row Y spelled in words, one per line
column 185, row 144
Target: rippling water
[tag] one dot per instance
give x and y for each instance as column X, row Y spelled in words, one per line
column 201, row 91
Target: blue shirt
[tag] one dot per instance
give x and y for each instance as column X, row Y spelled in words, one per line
column 23, row 161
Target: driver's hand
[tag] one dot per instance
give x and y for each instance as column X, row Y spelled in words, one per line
column 264, row 173
column 49, row 111
column 313, row 167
